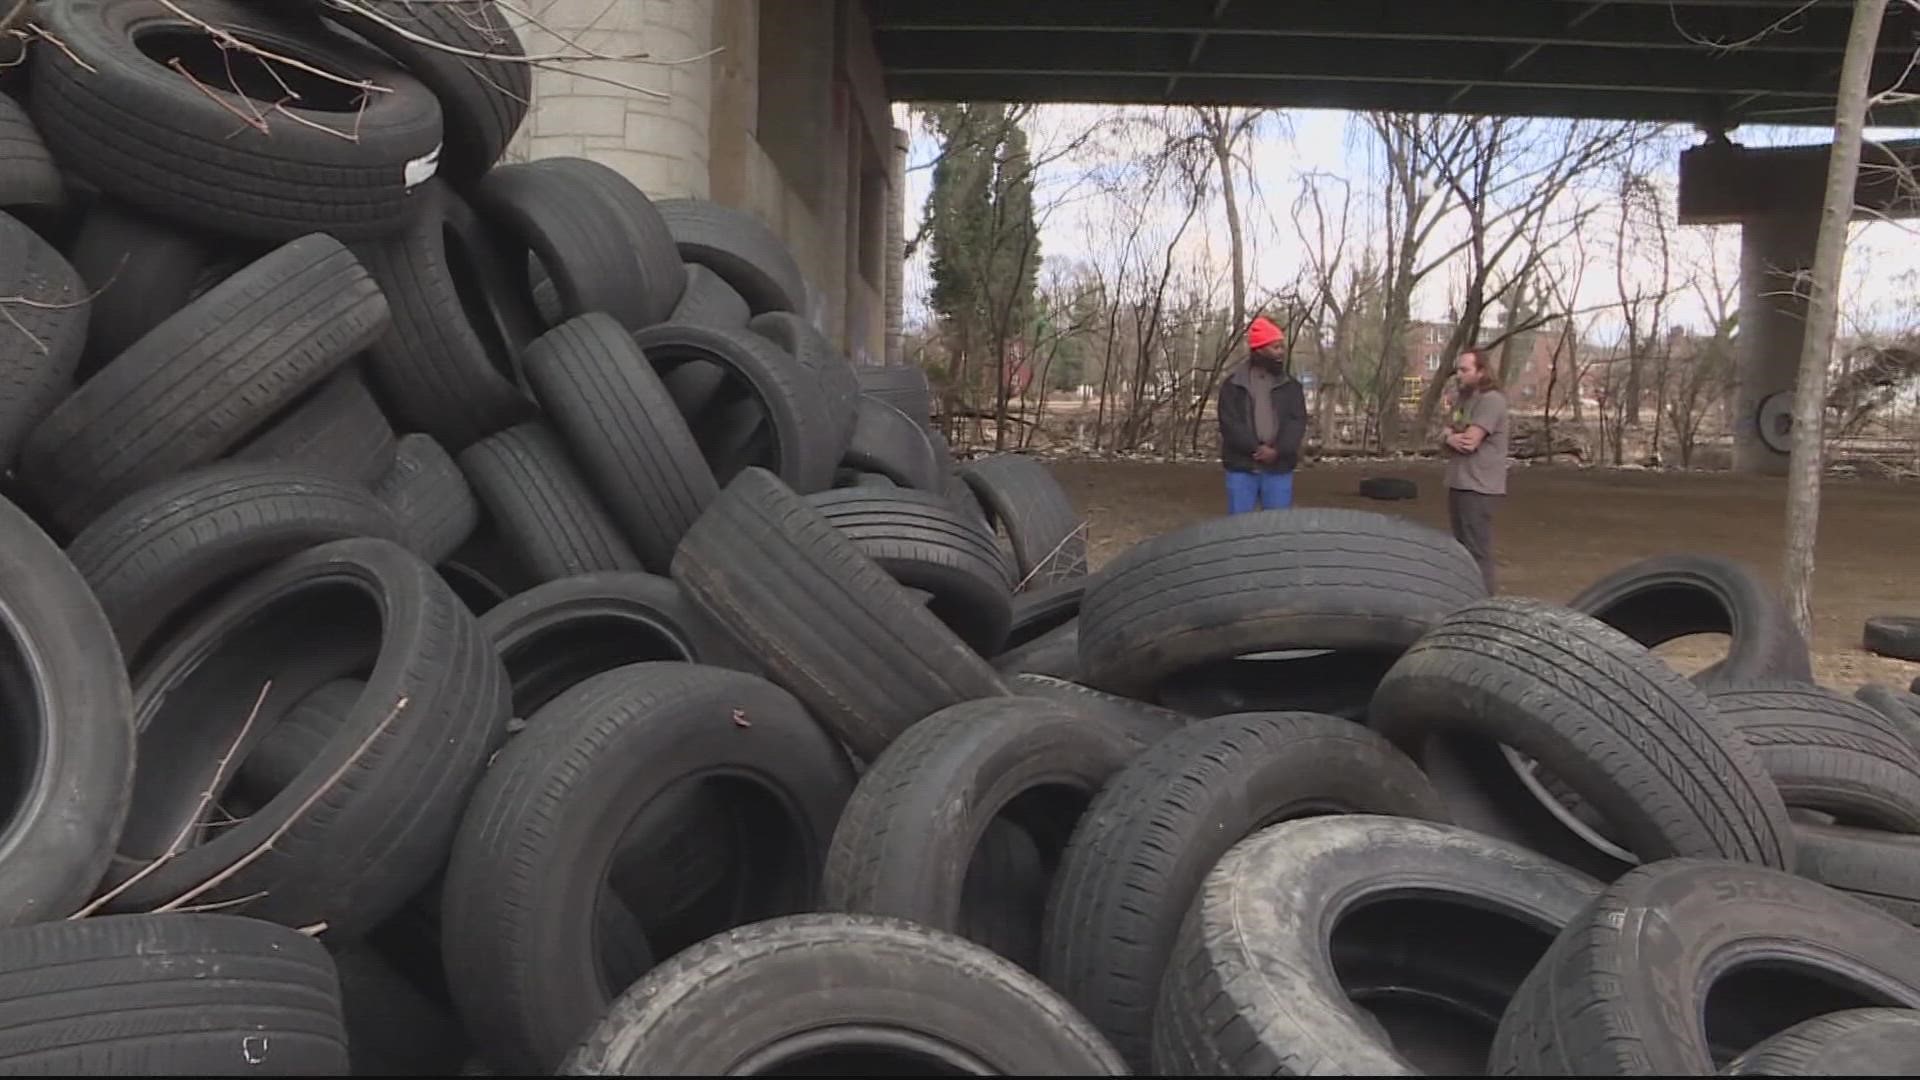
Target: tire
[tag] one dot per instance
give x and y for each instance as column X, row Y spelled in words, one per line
column 709, row 301
column 662, row 277
column 579, row 238
column 1315, row 903
column 765, row 410
column 353, row 854
column 1388, row 488
column 168, row 995
column 1898, row 706
column 909, row 840
column 28, row 176
column 1055, row 653
column 634, row 448
column 1037, row 612
column 1143, row 848
column 1857, row 1042
column 557, row 635
column 299, row 736
column 392, row 1028
column 475, row 66
column 903, row 386
column 546, row 515
column 832, row 627
column 1878, row 868
column 1144, row 724
column 1022, row 497
column 532, row 858
column 429, row 498
column 67, row 741
column 139, row 271
column 174, row 148
column 887, row 441
column 161, row 553
column 1829, row 753
column 41, row 336
column 1636, row 741
column 844, row 976
column 1897, row 636
column 1657, row 600
column 446, row 367
column 1624, row 990
column 839, row 388
column 1271, row 580
column 735, row 245
column 336, row 429
column 201, row 381
column 918, row 540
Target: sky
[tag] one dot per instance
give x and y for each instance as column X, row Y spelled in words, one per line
column 1883, row 261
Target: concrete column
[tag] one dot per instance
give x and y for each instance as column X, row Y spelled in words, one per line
column 896, row 254
column 1773, row 321
column 582, row 110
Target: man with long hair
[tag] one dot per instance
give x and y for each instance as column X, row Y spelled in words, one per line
column 1263, row 418
column 1476, row 450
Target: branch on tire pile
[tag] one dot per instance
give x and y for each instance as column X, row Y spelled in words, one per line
column 179, row 902
column 179, row 841
column 35, row 30
column 7, row 302
column 1079, row 530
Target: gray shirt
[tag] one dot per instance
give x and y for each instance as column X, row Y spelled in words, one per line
column 1266, row 422
column 1484, row 470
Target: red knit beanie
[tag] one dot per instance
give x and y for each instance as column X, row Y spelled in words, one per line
column 1263, row 333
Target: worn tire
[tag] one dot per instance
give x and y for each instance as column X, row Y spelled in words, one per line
column 634, row 448
column 543, row 828
column 737, row 246
column 831, row 626
column 1659, row 599
column 1388, row 488
column 1144, row 847
column 709, row 301
column 886, row 441
column 919, row 540
column 168, row 995
column 1857, row 1042
column 541, row 505
column 1271, row 580
column 201, row 381
column 335, row 429
column 353, row 854
column 161, row 552
column 580, row 239
column 910, row 837
column 903, row 386
column 662, row 277
column 1055, row 653
column 139, row 271
column 1897, row 636
column 1040, row 611
column 1829, row 753
column 1145, row 724
column 1879, row 868
column 1295, row 932
column 1624, row 990
column 1633, row 739
column 446, row 366
column 28, row 176
column 44, row 329
column 68, row 738
column 475, row 65
column 1899, row 706
column 754, row 986
column 765, row 410
column 149, row 137
column 1335, row 683
column 839, row 389
column 557, row 635
column 392, row 1028
column 1021, row 496
column 429, row 498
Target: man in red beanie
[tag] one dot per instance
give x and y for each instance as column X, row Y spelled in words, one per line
column 1263, row 418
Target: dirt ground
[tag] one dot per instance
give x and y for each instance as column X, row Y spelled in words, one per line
column 1564, row 527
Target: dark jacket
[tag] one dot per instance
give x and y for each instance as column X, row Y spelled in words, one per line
column 1236, row 423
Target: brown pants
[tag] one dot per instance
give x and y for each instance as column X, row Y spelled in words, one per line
column 1472, row 515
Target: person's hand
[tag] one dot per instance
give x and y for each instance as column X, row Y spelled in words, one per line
column 1265, row 455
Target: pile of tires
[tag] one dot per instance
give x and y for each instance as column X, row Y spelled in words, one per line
column 463, row 617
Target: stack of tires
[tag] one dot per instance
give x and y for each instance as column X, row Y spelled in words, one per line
column 462, row 617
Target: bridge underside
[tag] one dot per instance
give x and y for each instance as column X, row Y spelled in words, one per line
column 1713, row 63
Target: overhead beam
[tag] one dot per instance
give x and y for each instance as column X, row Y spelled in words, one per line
column 1722, row 183
column 1243, row 59
column 1612, row 25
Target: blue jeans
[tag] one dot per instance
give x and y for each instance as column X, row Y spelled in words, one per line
column 1249, row 491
